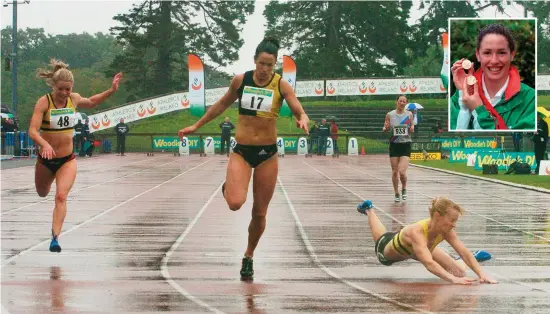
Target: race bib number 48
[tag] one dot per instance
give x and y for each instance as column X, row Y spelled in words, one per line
column 400, row 130
column 258, row 99
column 61, row 118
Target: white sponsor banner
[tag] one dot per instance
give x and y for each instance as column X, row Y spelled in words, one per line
column 178, row 101
column 342, row 87
column 214, row 94
column 310, row 88
column 384, row 86
column 543, row 82
column 139, row 110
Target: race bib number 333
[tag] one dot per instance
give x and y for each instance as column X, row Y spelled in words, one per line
column 258, row 99
column 400, row 130
column 61, row 118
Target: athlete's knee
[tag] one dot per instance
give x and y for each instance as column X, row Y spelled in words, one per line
column 235, row 203
column 42, row 193
column 42, row 190
column 395, row 172
column 457, row 272
column 61, row 197
column 259, row 214
column 403, row 174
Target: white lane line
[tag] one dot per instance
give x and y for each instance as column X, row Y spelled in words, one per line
column 109, row 169
column 319, row 264
column 468, row 210
column 403, row 224
column 168, row 254
column 25, row 251
column 84, row 188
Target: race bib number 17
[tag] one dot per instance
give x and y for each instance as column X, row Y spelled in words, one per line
column 257, row 99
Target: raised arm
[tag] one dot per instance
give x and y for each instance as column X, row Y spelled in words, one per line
column 95, row 100
column 223, row 103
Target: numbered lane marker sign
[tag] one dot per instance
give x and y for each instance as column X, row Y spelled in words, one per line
column 209, row 146
column 302, row 146
column 232, row 143
column 280, row 146
column 353, row 150
column 184, row 146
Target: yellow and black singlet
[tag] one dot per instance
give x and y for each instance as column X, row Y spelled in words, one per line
column 406, row 249
column 58, row 120
column 261, row 101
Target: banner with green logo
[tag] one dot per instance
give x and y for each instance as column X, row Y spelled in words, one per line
column 448, row 143
column 504, row 160
column 461, row 154
column 171, row 143
column 472, row 142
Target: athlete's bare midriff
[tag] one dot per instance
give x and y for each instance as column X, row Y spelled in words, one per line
column 62, row 143
column 252, row 130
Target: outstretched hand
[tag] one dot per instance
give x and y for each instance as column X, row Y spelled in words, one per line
column 486, row 279
column 116, row 81
column 187, row 130
column 303, row 123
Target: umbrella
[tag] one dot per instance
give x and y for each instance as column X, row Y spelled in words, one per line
column 413, row 106
column 81, row 116
column 543, row 111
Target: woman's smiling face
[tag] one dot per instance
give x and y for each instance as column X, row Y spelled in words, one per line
column 495, row 56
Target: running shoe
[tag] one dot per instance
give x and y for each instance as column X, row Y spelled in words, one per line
column 482, row 256
column 404, row 194
column 397, row 198
column 363, row 207
column 54, row 245
column 247, row 271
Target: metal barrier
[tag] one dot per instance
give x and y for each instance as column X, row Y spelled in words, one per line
column 17, row 144
column 372, row 143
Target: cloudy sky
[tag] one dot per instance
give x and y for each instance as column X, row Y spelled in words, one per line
column 78, row 16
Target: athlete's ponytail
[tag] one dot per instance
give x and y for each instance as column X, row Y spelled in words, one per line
column 59, row 71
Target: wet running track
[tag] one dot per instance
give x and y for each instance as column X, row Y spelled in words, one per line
column 153, row 234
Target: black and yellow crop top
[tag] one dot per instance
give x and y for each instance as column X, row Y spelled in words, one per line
column 261, row 101
column 407, row 249
column 58, row 120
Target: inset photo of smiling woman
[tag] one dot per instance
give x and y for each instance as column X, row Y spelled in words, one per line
column 493, row 75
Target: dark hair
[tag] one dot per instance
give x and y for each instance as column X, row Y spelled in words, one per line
column 268, row 45
column 401, row 95
column 498, row 29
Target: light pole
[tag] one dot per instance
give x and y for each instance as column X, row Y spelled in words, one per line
column 14, row 53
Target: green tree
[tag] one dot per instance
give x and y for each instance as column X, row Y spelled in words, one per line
column 342, row 39
column 427, row 65
column 540, row 10
column 157, row 36
column 87, row 55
